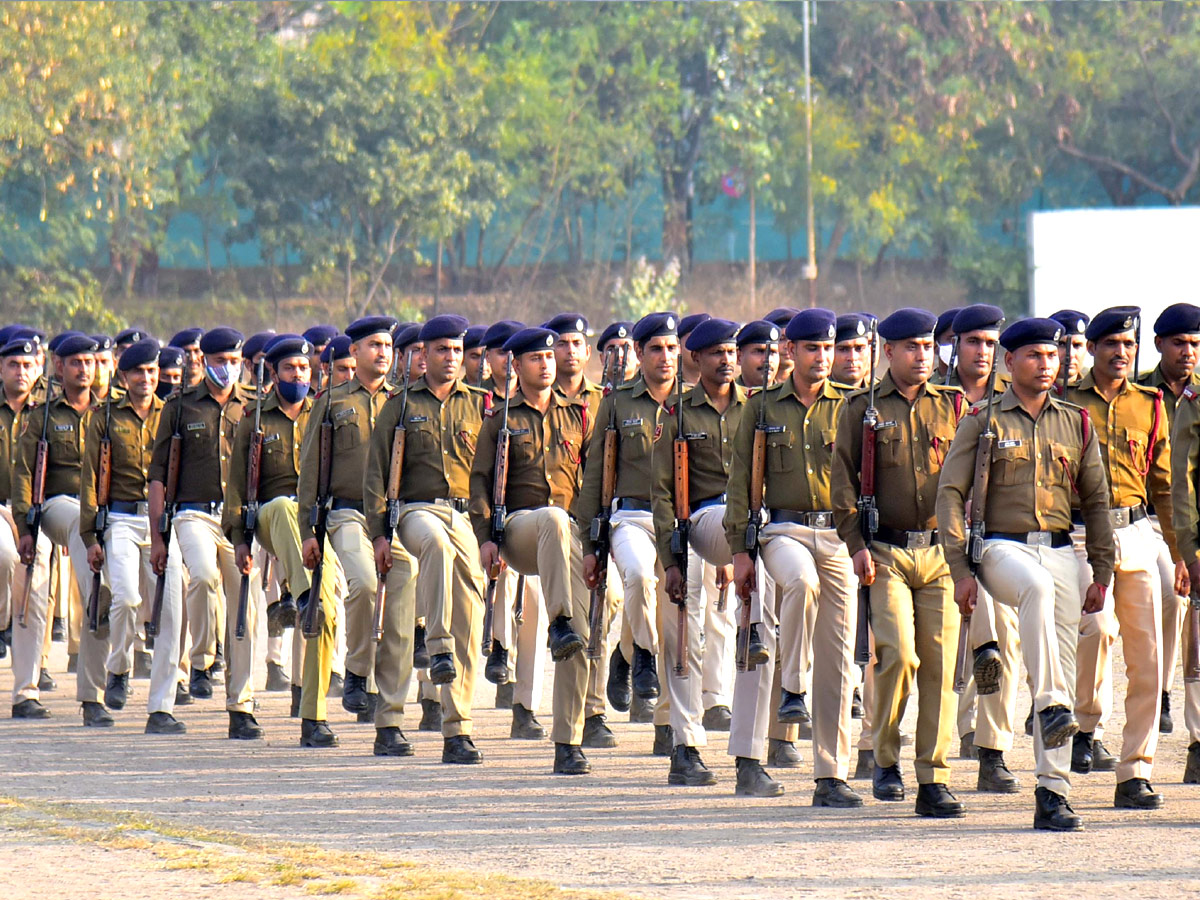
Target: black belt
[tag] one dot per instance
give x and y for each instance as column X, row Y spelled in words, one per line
column 707, row 502
column 814, row 519
column 213, row 507
column 907, row 540
column 126, row 508
column 338, row 503
column 458, row 504
column 1055, row 539
column 635, row 505
column 1120, row 516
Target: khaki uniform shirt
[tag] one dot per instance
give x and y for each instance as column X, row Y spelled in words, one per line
column 1039, row 468
column 1136, row 461
column 132, row 439
column 710, row 436
column 545, row 458
column 1185, row 470
column 590, row 393
column 1155, row 379
column 11, row 423
column 278, row 469
column 641, row 425
column 439, row 447
column 799, row 443
column 911, row 443
column 64, row 457
column 208, row 429
column 353, row 411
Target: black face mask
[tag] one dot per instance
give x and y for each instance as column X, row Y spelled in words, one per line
column 164, row 390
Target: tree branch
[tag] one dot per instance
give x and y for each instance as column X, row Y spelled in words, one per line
column 1106, row 162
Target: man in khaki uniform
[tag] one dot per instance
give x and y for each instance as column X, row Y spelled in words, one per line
column 442, row 418
column 1072, row 346
column 1044, row 453
column 207, row 417
column 800, row 547
column 352, row 408
column 548, row 437
column 1177, row 339
column 1185, row 471
column 1130, row 423
column 912, row 611
column 123, row 549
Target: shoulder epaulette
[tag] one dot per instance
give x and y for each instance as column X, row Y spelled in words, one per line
column 1190, row 392
column 626, row 386
column 1145, row 388
column 858, row 392
column 838, row 386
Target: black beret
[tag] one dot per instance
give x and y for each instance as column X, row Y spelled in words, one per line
column 1072, row 321
column 186, row 338
column 908, row 322
column 405, row 337
column 140, row 353
column 499, row 332
column 568, row 323
column 130, row 336
column 1113, row 320
column 26, row 333
column 74, row 344
column 369, row 325
column 170, row 358
column 655, row 324
column 320, row 335
column 6, row 333
column 978, row 317
column 688, row 324
column 447, row 326
column 1031, row 331
column 19, row 347
column 337, row 348
column 257, row 343
column 615, row 331
column 284, row 346
column 222, row 340
column 711, row 332
column 851, row 326
column 528, row 340
column 56, row 341
column 1178, row 318
column 758, row 332
column 945, row 322
column 781, row 316
column 474, row 337
column 812, row 325
column 103, row 342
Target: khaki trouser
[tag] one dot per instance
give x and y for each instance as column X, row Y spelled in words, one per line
column 1174, row 609
column 347, row 533
column 1135, row 612
column 636, row 558
column 916, row 625
column 393, row 664
column 545, row 542
column 812, row 565
column 28, row 641
column 60, row 521
column 279, row 534
column 451, row 581
column 991, row 716
column 9, row 560
column 1042, row 583
column 213, row 571
column 752, row 714
column 595, row 703
column 527, row 657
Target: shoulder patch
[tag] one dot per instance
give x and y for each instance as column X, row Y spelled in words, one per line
column 1190, row 392
column 973, row 411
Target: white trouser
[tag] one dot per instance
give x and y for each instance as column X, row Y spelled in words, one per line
column 636, row 558
column 9, row 560
column 709, row 545
column 991, row 716
column 752, row 713
column 28, row 641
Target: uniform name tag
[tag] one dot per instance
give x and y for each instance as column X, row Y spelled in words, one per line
column 414, row 420
column 196, row 426
column 775, row 429
column 64, row 427
column 629, row 423
column 517, row 432
column 1005, row 445
column 270, row 438
column 343, row 413
column 891, row 424
column 696, row 436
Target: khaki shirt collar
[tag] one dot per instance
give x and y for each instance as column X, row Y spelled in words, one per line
column 1010, row 401
column 1088, row 383
column 700, row 396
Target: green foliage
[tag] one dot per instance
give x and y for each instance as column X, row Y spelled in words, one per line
column 647, row 290
column 54, row 301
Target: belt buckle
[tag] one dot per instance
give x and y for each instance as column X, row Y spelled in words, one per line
column 819, row 520
column 1120, row 517
column 918, row 540
column 1038, row 539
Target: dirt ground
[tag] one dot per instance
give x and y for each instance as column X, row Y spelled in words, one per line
column 622, row 829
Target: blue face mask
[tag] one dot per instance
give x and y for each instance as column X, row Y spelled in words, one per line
column 223, row 376
column 292, row 391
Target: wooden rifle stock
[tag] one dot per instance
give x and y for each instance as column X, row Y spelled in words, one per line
column 499, row 514
column 1191, row 656
column 170, row 492
column 679, row 540
column 868, row 512
column 599, row 535
column 34, row 517
column 758, row 474
column 319, row 518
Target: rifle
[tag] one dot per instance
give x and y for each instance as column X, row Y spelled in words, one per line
column 868, row 512
column 519, row 600
column 679, row 537
column 615, row 374
column 950, row 366
column 758, row 475
column 250, row 510
column 1191, row 656
column 395, row 473
column 499, row 514
column 34, row 517
column 979, row 492
column 170, row 491
column 318, row 518
column 103, row 496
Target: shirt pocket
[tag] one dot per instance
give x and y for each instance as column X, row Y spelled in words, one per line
column 1065, row 462
column 522, row 449
column 1137, row 445
column 939, row 436
column 1011, row 465
column 465, row 440
column 780, row 457
column 635, row 442
column 889, row 447
column 346, row 434
column 568, row 440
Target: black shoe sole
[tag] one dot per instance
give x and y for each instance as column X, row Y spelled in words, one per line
column 600, row 742
column 114, row 704
column 580, row 770
column 1060, row 736
column 392, row 751
column 443, row 677
column 987, row 673
column 1120, row 802
column 496, row 676
column 1048, row 826
column 567, row 649
column 747, row 792
column 937, row 812
column 826, row 803
column 165, row 731
column 462, row 761
column 677, row 780
column 317, row 745
column 793, row 718
column 103, row 723
column 996, row 788
column 888, row 797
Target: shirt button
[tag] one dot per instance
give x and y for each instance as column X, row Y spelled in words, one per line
column 806, row 447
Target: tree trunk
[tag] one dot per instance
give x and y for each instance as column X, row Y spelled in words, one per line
column 437, row 279
column 753, row 266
